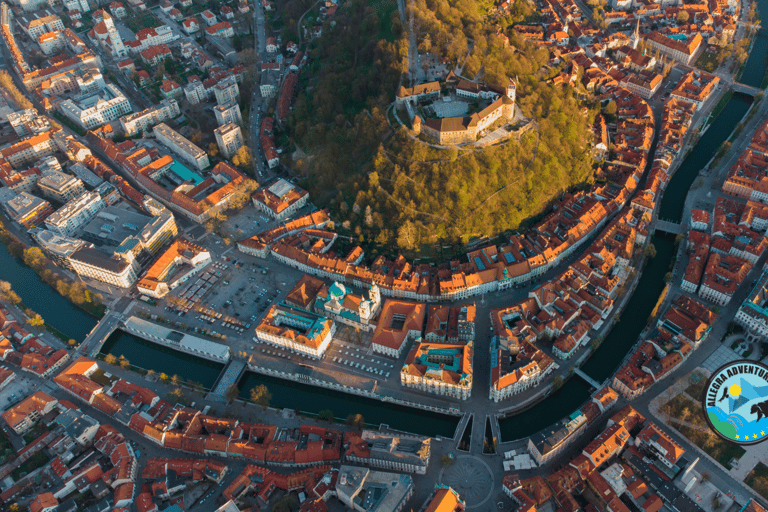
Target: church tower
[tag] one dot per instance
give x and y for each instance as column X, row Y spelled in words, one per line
column 635, row 39
column 118, row 50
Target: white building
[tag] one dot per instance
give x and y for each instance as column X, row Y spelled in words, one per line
column 80, row 427
column 142, row 121
column 51, row 42
column 178, row 341
column 67, row 219
column 80, row 5
column 297, row 330
column 108, row 37
column 394, row 452
column 281, row 199
column 59, row 186
column 186, row 149
column 117, row 270
column 196, row 92
column 226, row 91
column 19, row 119
column 229, row 138
column 229, row 113
column 147, row 37
column 97, row 109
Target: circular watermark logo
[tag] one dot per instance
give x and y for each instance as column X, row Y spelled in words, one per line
column 735, row 402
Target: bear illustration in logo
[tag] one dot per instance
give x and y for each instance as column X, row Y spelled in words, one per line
column 761, row 409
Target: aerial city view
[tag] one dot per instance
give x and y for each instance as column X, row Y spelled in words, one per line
column 383, row 256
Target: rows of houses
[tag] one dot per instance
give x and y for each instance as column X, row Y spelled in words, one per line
column 724, row 250
column 628, row 466
column 677, row 333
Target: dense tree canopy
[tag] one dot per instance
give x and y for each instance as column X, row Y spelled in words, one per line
column 392, row 191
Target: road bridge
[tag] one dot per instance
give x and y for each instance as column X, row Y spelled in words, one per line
column 592, row 382
column 99, row 334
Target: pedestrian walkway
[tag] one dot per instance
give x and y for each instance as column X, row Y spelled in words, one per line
column 229, row 376
column 719, row 357
column 669, row 227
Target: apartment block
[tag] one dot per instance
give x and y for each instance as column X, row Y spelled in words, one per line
column 58, row 248
column 28, row 210
column 23, row 416
column 59, row 186
column 182, row 146
column 142, row 121
column 51, row 42
column 19, row 119
column 37, row 24
column 97, row 109
column 70, row 217
column 226, row 91
column 30, row 149
column 229, row 138
column 228, row 113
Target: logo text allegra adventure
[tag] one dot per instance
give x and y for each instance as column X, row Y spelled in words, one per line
column 736, row 402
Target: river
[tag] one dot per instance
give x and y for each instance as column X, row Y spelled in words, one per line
column 754, row 70
column 673, row 201
column 607, row 357
column 57, row 311
column 74, row 323
column 147, row 355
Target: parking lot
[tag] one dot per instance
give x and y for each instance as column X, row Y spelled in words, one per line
column 360, row 360
column 18, row 389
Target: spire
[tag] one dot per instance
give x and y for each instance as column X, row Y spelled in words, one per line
column 636, row 35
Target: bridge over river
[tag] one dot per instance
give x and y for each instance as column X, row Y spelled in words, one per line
column 669, row 227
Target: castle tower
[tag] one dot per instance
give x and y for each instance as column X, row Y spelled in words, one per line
column 511, row 89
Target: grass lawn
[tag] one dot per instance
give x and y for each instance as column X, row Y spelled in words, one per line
column 720, row 106
column 141, row 20
column 37, row 431
column 38, row 460
column 689, row 411
column 709, row 61
column 758, row 480
column 5, row 443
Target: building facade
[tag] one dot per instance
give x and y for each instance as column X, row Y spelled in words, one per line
column 182, row 146
column 229, row 138
column 70, row 217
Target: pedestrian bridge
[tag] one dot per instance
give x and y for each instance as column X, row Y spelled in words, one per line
column 230, row 375
column 746, row 89
column 592, row 382
column 669, row 227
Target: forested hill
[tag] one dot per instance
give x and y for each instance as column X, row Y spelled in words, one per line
column 396, row 193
